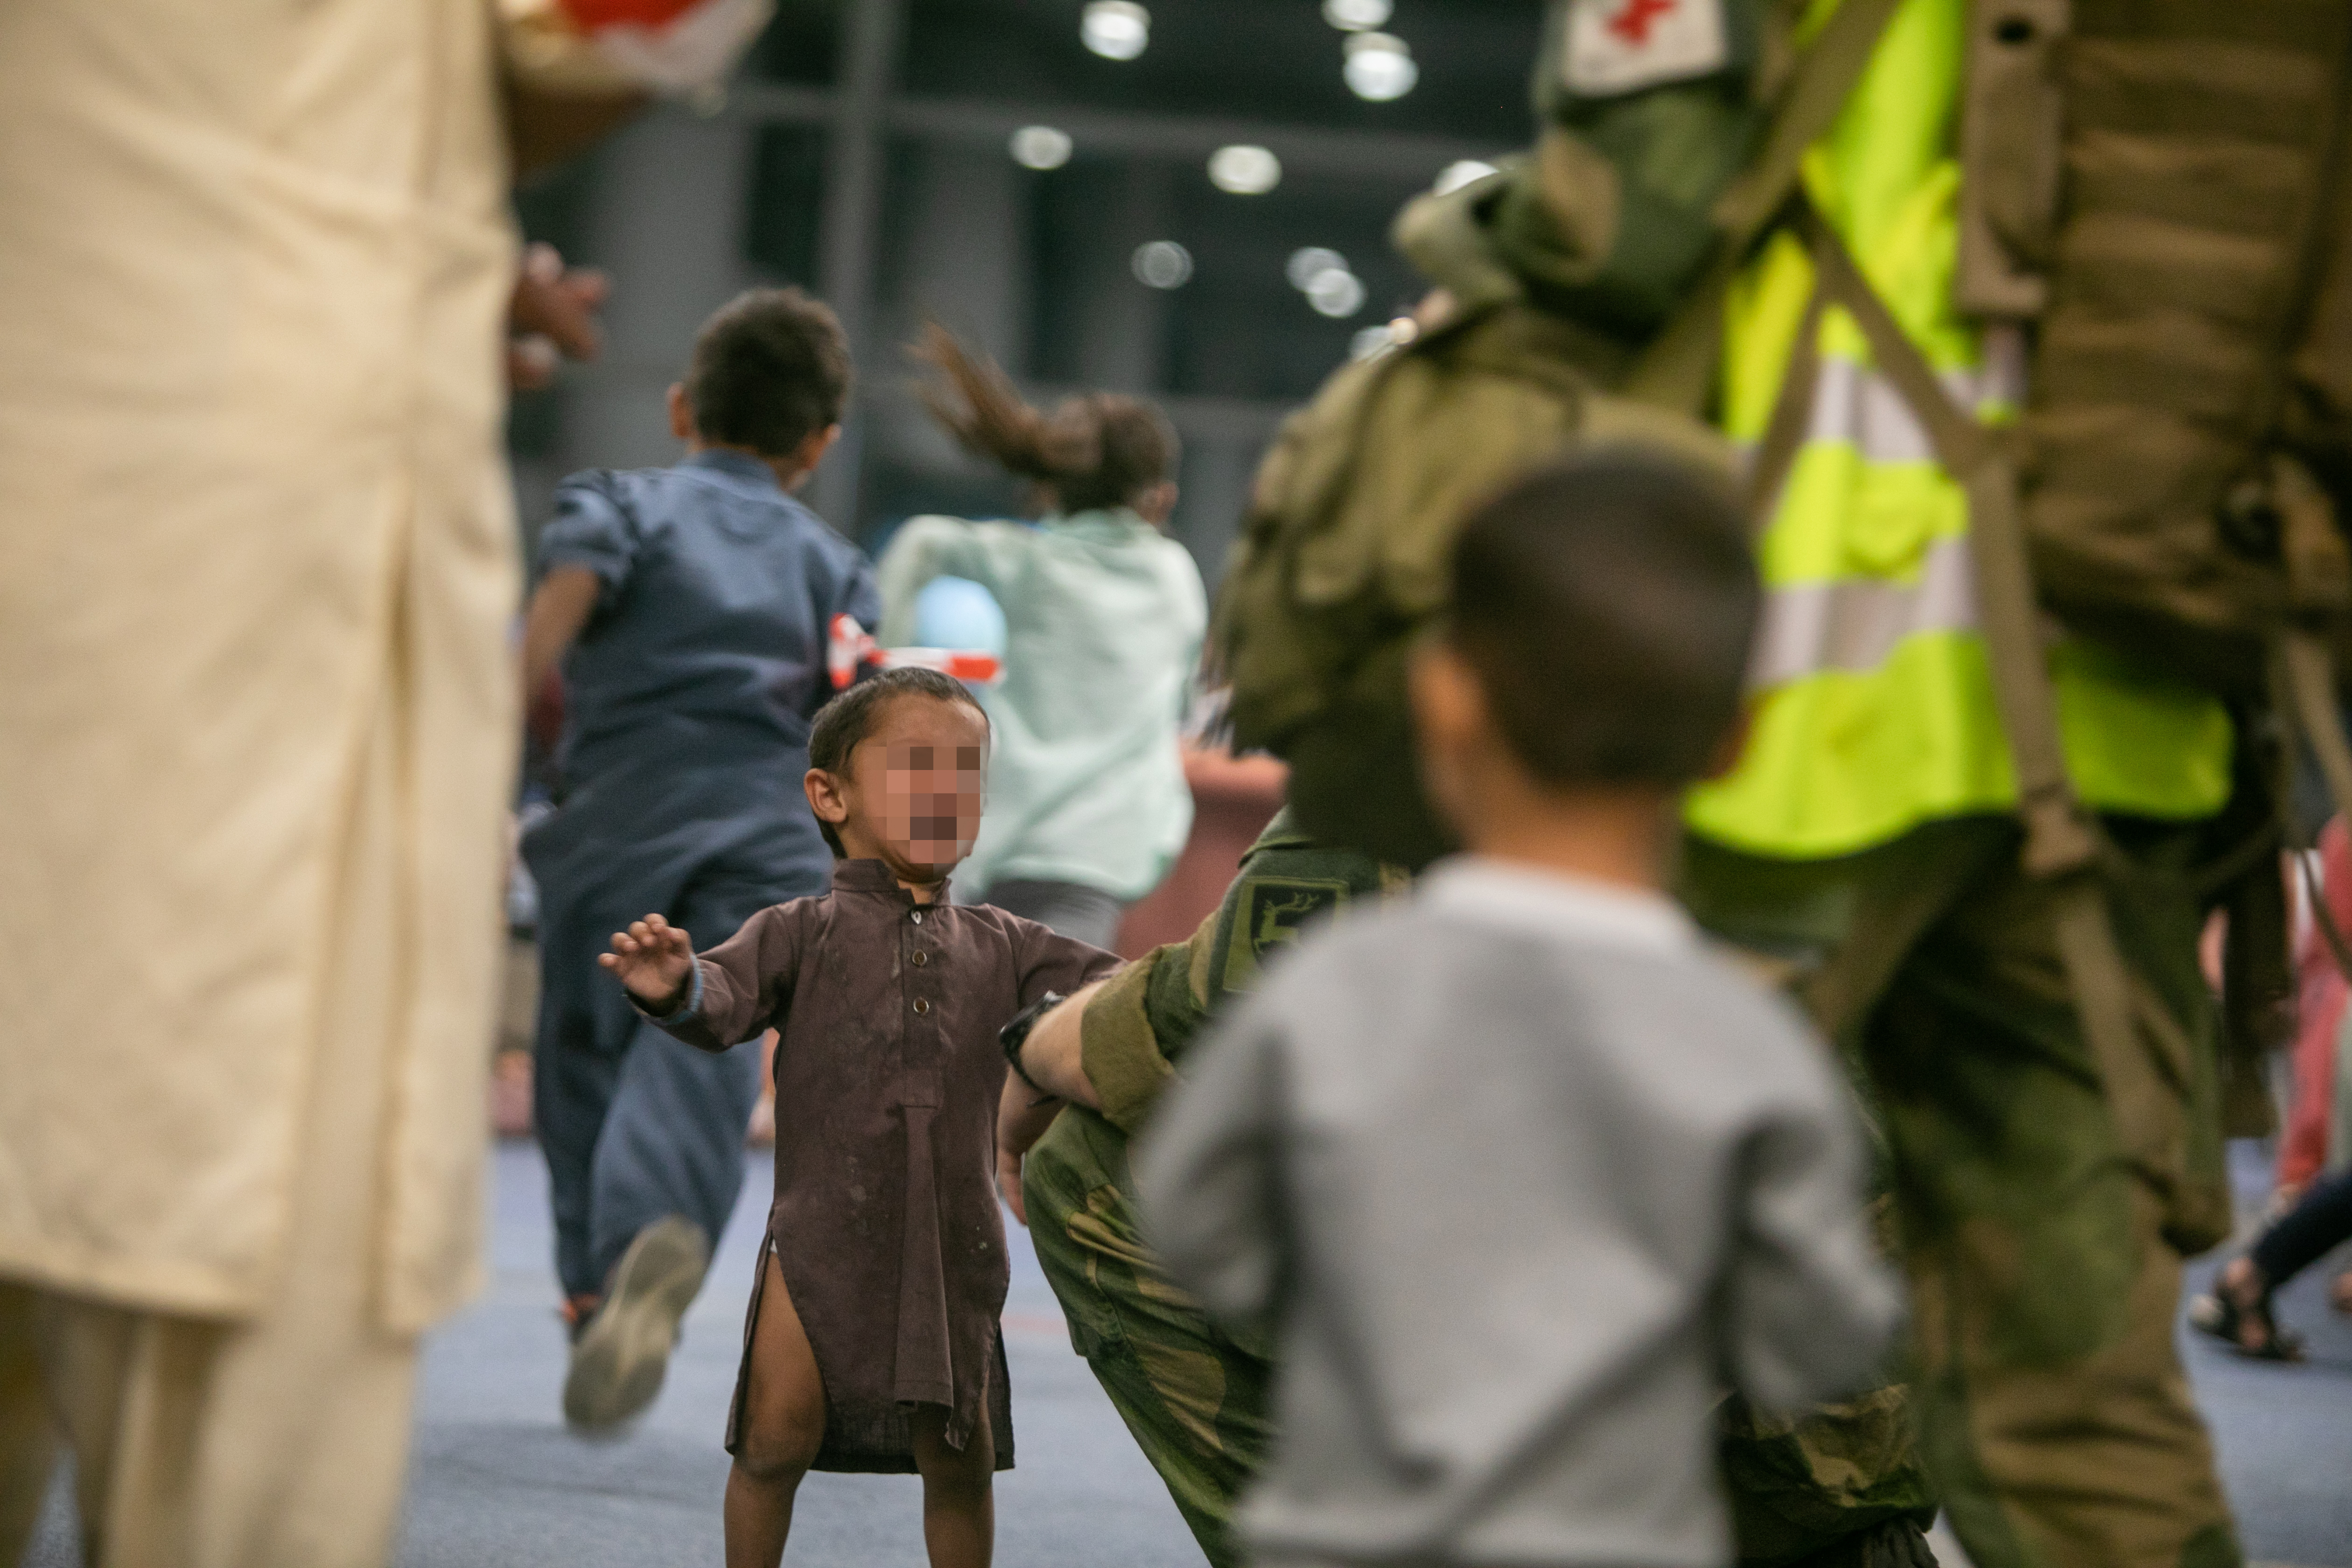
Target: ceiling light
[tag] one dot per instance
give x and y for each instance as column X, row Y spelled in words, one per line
column 1307, row 265
column 1162, row 264
column 1454, row 176
column 1379, row 66
column 1116, row 29
column 1336, row 294
column 1041, row 147
column 1244, row 171
column 1356, row 16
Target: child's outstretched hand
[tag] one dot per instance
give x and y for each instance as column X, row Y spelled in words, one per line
column 653, row 959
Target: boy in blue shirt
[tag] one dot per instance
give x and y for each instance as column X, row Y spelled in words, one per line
column 688, row 609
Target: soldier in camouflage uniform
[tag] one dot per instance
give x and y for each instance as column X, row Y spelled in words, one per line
column 2044, row 1187
column 1815, row 1489
column 1195, row 1398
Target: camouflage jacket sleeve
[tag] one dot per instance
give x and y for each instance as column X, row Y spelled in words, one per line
column 1137, row 1027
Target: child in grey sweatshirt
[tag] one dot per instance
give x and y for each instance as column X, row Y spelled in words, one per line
column 1521, row 1176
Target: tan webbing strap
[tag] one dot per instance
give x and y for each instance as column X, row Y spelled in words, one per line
column 1810, row 104
column 2059, row 836
column 2287, row 705
column 2062, row 846
column 1677, row 370
column 2338, row 946
column 2305, row 676
column 1792, row 415
column 2303, row 693
column 2103, row 991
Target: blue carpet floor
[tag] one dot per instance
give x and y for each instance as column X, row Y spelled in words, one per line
column 498, row 1481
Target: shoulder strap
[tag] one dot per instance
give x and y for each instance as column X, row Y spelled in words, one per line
column 1677, row 370
column 1792, row 413
column 2062, row 844
column 2060, row 839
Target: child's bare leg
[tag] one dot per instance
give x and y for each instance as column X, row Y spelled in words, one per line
column 959, row 1491
column 783, row 1426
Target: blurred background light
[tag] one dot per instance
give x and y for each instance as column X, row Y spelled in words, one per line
column 1244, row 171
column 1357, row 15
column 1041, row 147
column 1454, row 176
column 1162, row 264
column 1116, row 29
column 944, row 193
column 1370, row 340
column 1337, row 294
column 1307, row 265
column 1379, row 66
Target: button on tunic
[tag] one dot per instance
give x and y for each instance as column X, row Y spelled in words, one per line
column 886, row 1227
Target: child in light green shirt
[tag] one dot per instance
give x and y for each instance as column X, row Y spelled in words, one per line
column 1104, row 616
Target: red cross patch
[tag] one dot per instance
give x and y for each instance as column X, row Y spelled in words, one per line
column 1633, row 24
column 1624, row 45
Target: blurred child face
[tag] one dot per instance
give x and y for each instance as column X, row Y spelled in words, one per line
column 915, row 788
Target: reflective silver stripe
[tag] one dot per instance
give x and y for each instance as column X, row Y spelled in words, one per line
column 1857, row 624
column 1861, row 408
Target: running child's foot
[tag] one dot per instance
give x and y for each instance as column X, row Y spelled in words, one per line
column 619, row 1359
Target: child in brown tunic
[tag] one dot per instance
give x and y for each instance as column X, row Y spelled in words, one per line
column 873, row 1342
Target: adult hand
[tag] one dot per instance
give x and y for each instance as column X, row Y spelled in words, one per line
column 653, row 959
column 1008, row 1182
column 1022, row 1117
column 551, row 317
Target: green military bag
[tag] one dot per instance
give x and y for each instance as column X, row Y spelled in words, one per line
column 1343, row 556
column 1582, row 284
column 2164, row 189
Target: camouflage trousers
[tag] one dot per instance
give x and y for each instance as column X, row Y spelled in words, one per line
column 1193, row 1398
column 2044, row 1265
column 1838, row 1486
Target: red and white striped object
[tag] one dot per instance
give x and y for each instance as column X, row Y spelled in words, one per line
column 982, row 669
column 611, row 46
column 851, row 651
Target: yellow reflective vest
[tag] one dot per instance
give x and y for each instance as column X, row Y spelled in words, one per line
column 1871, row 705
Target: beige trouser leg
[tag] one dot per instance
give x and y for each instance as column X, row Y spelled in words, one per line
column 279, row 1442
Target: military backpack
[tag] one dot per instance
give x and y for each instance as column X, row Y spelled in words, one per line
column 1556, row 272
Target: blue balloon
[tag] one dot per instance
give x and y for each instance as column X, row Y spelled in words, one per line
column 958, row 613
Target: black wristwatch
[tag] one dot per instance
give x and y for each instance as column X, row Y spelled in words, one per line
column 1015, row 1035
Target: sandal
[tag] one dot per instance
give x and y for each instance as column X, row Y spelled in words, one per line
column 2229, row 1316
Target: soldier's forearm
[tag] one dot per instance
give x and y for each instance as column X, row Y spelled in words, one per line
column 1119, row 1047
column 1054, row 1056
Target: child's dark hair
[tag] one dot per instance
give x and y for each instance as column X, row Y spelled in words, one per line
column 846, row 720
column 771, row 368
column 1606, row 602
column 1098, row 450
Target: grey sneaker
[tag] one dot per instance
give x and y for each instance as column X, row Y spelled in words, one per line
column 618, row 1362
